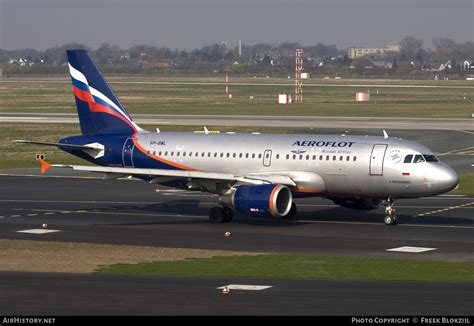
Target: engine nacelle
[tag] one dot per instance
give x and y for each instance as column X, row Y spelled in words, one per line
column 268, row 200
column 358, row 203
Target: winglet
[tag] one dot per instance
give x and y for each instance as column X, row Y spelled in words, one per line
column 44, row 165
column 385, row 135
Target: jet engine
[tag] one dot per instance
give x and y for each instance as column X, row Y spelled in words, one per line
column 268, row 200
column 358, row 203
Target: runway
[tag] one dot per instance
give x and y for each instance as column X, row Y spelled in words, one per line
column 343, row 123
column 87, row 209
column 132, row 212
column 56, row 294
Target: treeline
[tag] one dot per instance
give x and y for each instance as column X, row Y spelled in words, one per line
column 320, row 60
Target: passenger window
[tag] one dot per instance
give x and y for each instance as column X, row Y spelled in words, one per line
column 355, row 158
column 418, row 159
column 287, row 156
column 166, row 153
column 307, row 157
column 327, row 157
column 222, row 155
column 208, row 154
column 253, row 155
column 228, row 155
column 348, row 158
column 314, row 157
column 301, row 157
column 154, row 152
column 240, row 155
column 294, row 157
column 203, row 154
column 259, row 155
column 215, row 154
column 246, row 155
column 159, row 153
column 340, row 158
column 320, row 157
column 184, row 153
column 408, row 159
column 334, row 157
column 172, row 153
column 177, row 153
column 277, row 156
column 233, row 155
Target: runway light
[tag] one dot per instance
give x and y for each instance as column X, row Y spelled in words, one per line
column 44, row 226
column 226, row 290
column 227, row 234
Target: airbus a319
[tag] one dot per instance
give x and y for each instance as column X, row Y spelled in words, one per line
column 257, row 174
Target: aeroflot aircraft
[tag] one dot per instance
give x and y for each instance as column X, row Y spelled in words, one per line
column 258, row 175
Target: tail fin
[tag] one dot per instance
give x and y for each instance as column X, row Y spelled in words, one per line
column 98, row 108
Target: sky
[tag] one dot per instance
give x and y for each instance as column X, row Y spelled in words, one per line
column 189, row 24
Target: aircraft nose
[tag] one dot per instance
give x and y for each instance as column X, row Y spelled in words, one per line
column 447, row 178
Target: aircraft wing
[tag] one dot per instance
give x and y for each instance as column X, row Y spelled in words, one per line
column 163, row 175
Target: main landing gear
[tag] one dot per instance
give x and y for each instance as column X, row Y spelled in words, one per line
column 220, row 214
column 390, row 213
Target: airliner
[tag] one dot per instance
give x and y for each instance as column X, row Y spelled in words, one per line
column 256, row 174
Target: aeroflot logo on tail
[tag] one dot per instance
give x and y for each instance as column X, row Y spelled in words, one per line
column 321, row 143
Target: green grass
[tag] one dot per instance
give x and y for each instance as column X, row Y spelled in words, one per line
column 305, row 266
column 181, row 98
column 466, row 184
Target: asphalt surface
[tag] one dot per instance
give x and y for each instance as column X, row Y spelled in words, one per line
column 132, row 212
column 258, row 121
column 87, row 209
column 54, row 294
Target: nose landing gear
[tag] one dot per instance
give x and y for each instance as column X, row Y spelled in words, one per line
column 390, row 213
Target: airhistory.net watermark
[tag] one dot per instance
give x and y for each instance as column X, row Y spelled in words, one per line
column 26, row 320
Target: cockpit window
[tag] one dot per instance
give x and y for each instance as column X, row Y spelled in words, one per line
column 418, row 159
column 430, row 158
column 408, row 159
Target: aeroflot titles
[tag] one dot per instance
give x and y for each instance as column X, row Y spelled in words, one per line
column 309, row 143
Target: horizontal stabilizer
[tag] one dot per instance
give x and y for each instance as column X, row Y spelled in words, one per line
column 70, row 146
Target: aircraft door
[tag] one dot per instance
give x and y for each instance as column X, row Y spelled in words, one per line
column 267, row 158
column 376, row 159
column 127, row 153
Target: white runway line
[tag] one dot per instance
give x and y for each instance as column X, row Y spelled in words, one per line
column 411, row 249
column 15, row 215
column 38, row 231
column 245, row 287
column 32, row 214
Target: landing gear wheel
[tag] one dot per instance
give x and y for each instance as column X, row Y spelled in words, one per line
column 390, row 214
column 292, row 213
column 390, row 220
column 229, row 214
column 217, row 215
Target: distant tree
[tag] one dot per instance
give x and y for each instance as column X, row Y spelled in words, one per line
column 266, row 61
column 409, row 46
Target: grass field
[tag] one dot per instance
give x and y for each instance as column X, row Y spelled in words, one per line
column 142, row 95
column 305, row 266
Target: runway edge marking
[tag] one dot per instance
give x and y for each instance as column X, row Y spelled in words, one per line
column 245, row 287
column 411, row 249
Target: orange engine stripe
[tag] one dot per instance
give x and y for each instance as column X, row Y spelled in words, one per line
column 270, row 203
column 144, row 151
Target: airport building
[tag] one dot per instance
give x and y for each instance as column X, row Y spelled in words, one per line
column 355, row 53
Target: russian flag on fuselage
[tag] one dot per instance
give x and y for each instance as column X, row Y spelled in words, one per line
column 99, row 109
